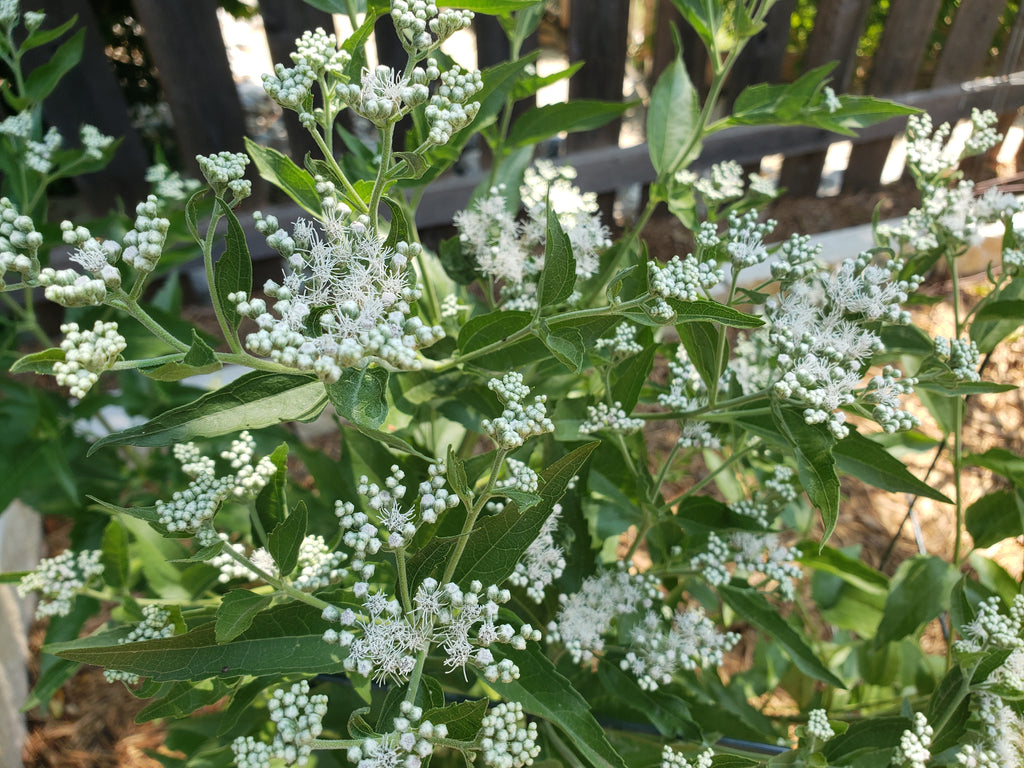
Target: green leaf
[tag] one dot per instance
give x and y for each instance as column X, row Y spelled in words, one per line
column 256, row 400
column 399, row 229
column 44, row 36
column 492, row 7
column 50, row 681
column 147, row 514
column 629, row 377
column 232, row 272
column 866, row 736
column 703, row 310
column 270, row 502
column 200, row 358
column 669, row 714
column 360, row 396
column 1007, row 309
column 705, row 16
column 237, row 611
column 182, row 699
column 542, row 123
column 987, row 333
column 39, row 362
column 44, row 78
column 462, row 718
column 558, row 277
column 701, row 341
column 1002, row 462
column 754, row 608
column 673, row 120
column 544, row 693
column 416, row 166
column 193, row 214
column 812, row 445
column 497, row 544
column 920, row 592
column 284, row 174
column 285, row 540
column 115, row 554
column 528, row 86
column 285, row 640
column 866, row 460
column 494, row 326
column 566, row 344
column 947, row 709
column 997, row 516
column 851, row 570
column 458, row 264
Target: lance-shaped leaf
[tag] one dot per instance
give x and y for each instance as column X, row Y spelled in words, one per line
column 673, row 120
column 237, row 612
column 256, row 400
column 360, row 396
column 542, row 123
column 284, row 174
column 558, row 277
column 232, row 272
column 712, row 312
column 866, row 460
column 812, row 444
column 199, row 359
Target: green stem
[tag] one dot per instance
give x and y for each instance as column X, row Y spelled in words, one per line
column 403, row 580
column 471, row 516
column 230, row 334
column 123, row 302
column 335, row 743
column 279, row 584
column 387, row 139
column 707, row 409
column 700, row 484
column 660, row 479
column 958, row 430
column 357, row 201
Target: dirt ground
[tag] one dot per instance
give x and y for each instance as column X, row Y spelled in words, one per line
column 90, row 722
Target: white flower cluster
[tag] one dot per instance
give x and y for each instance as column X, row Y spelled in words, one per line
column 885, row 391
column 623, row 344
column 317, row 56
column 961, row 355
column 193, row 508
column 407, row 746
column 421, row 27
column 698, row 434
column 776, row 490
column 518, row 421
column 687, row 279
column 691, row 641
column 724, row 181
column 383, row 643
column 990, row 629
column 39, row 154
column 687, row 391
column 87, row 354
column 382, row 96
column 19, row 243
column 224, row 171
column 913, row 749
column 587, row 615
column 155, row 625
column 744, row 240
column 298, row 716
column 506, row 739
column 345, row 301
column 672, row 759
column 512, row 252
column 1002, row 730
column 58, row 579
column 94, row 143
column 603, row 417
column 929, row 154
column 751, row 554
column 818, row 726
column 145, row 241
column 170, row 186
column 316, row 567
column 230, row 568
column 450, row 109
column 397, row 521
column 795, row 259
column 542, row 562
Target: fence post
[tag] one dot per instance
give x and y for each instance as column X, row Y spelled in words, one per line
column 967, row 44
column 188, row 50
column 761, row 59
column 89, row 93
column 894, row 69
column 284, row 21
column 837, row 28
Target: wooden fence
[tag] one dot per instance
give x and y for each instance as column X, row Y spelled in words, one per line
column 184, row 41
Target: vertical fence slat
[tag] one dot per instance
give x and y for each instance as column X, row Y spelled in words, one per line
column 598, row 36
column 284, row 21
column 967, row 44
column 90, row 93
column 894, row 69
column 694, row 56
column 761, row 59
column 837, row 28
column 188, row 50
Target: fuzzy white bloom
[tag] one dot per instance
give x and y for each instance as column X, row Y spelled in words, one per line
column 407, row 745
column 38, row 154
column 542, row 562
column 58, row 579
column 991, row 629
column 87, row 354
column 518, row 421
column 745, row 239
column 723, row 182
column 753, row 554
column 698, row 434
column 93, row 142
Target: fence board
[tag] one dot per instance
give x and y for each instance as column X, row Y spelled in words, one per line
column 894, row 69
column 967, row 44
column 284, row 21
column 90, row 93
column 761, row 59
column 837, row 28
column 695, row 57
column 185, row 40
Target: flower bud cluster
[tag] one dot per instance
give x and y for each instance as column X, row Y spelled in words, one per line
column 156, row 624
column 796, row 259
column 345, row 303
column 687, row 391
column 913, row 749
column 518, row 422
column 230, row 568
column 698, row 434
column 58, row 579
column 506, row 739
column 450, row 109
column 87, row 354
column 298, row 716
column 818, row 726
column 145, row 242
column 751, row 554
column 19, row 242
column 745, row 239
column 224, row 171
column 399, row 522
column 191, row 509
column 972, row 756
column 170, row 186
column 672, row 759
column 991, row 630
column 885, row 390
column 39, row 154
column 408, row 745
column 961, row 355
column 421, row 26
column 687, row 279
column 612, row 419
column 594, row 611
column 360, row 536
column 723, row 182
column 316, row 567
column 94, row 143
column 623, row 344
column 984, row 135
column 542, row 562
column 691, row 641
column 71, row 289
